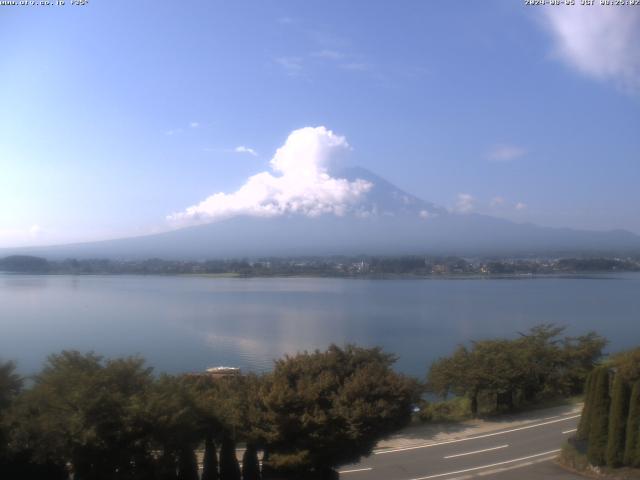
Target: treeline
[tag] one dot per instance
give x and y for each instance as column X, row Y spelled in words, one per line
column 325, row 266
column 504, row 374
column 100, row 419
column 609, row 429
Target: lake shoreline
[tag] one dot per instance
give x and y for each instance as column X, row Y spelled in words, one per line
column 232, row 275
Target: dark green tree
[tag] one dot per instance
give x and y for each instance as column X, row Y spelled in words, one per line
column 10, row 387
column 502, row 369
column 229, row 467
column 539, row 350
column 618, row 422
column 627, row 364
column 210, row 461
column 579, row 356
column 632, row 444
column 585, row 418
column 173, row 423
column 456, row 374
column 79, row 410
column 187, row 464
column 324, row 409
column 10, row 384
column 598, row 430
column 250, row 463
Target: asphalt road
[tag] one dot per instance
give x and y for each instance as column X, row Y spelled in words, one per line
column 524, row 453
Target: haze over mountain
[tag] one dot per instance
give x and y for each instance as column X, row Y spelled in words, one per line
column 384, row 221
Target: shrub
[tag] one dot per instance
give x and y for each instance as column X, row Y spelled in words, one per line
column 599, row 424
column 617, row 422
column 632, row 445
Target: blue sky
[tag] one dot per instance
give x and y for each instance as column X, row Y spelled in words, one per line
column 116, row 115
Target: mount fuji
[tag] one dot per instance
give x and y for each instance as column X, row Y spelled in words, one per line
column 384, row 221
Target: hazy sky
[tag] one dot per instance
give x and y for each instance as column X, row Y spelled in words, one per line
column 118, row 116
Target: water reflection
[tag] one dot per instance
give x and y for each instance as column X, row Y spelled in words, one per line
column 186, row 323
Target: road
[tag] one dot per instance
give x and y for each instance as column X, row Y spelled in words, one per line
column 524, row 452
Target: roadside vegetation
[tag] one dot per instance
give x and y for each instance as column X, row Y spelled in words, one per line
column 503, row 375
column 112, row 419
column 608, row 436
column 107, row 419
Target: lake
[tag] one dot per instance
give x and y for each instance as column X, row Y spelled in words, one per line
column 182, row 323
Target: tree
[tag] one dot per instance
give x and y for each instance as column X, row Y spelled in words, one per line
column 324, row 409
column 534, row 366
column 187, row 464
column 617, row 422
column 173, row 423
column 210, row 461
column 229, row 467
column 10, row 384
column 598, row 430
column 627, row 364
column 501, row 369
column 250, row 464
column 24, row 264
column 585, row 418
column 632, row 444
column 80, row 411
column 455, row 374
column 542, row 356
column 493, row 368
column 579, row 357
column 10, row 387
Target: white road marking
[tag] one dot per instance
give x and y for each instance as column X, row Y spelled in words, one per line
column 356, row 470
column 548, row 418
column 486, row 435
column 513, row 467
column 486, row 466
column 570, row 431
column 477, row 451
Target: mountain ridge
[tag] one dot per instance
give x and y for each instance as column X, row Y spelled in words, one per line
column 388, row 221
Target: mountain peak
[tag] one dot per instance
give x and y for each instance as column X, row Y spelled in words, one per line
column 384, row 198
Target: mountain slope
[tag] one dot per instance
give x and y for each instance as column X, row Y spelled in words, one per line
column 400, row 224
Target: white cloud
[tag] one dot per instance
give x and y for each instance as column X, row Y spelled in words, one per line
column 21, row 236
column 465, row 203
column 599, row 41
column 355, row 66
column 194, row 124
column 243, row 149
column 291, row 65
column 299, row 184
column 329, row 54
column 424, row 214
column 505, row 153
column 501, row 202
column 496, row 201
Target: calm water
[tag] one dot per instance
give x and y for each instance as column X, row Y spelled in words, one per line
column 190, row 323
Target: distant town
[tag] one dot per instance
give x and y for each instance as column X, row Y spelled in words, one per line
column 362, row 266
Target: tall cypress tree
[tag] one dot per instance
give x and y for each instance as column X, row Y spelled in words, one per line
column 250, row 464
column 585, row 419
column 166, row 467
column 267, row 470
column 210, row 462
column 632, row 444
column 229, row 467
column 599, row 425
column 187, row 465
column 618, row 422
